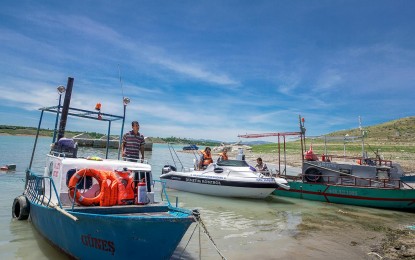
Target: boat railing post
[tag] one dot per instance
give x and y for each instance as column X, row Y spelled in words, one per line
column 34, row 146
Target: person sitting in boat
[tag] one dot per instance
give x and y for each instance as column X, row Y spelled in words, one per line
column 205, row 158
column 223, row 155
column 261, row 166
column 133, row 144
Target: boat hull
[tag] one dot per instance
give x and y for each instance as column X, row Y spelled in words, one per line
column 256, row 189
column 112, row 236
column 359, row 196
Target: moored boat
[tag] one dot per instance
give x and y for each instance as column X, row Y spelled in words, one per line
column 361, row 181
column 227, row 178
column 98, row 208
column 230, row 178
column 190, row 147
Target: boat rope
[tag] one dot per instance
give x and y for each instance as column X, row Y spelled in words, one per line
column 180, row 257
column 202, row 224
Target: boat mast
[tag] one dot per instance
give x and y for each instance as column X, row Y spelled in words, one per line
column 65, row 108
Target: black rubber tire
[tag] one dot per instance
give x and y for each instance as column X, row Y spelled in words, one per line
column 312, row 175
column 21, row 208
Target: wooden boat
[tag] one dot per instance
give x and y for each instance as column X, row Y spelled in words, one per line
column 124, row 220
column 361, row 181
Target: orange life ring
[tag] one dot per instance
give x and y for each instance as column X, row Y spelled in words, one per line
column 100, row 176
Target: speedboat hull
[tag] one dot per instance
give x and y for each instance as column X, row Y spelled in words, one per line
column 257, row 188
column 228, row 178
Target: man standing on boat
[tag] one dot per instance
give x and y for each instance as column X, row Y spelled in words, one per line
column 133, row 144
column 205, row 158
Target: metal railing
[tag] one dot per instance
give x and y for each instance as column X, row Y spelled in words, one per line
column 352, row 181
column 36, row 188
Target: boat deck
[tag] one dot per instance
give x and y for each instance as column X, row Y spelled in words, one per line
column 156, row 209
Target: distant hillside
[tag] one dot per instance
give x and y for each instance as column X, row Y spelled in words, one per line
column 396, row 131
column 400, row 131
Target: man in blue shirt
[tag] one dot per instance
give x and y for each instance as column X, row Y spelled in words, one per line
column 133, row 144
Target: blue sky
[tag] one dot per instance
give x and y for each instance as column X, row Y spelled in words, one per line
column 211, row 69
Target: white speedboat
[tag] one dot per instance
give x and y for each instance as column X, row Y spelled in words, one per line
column 229, row 178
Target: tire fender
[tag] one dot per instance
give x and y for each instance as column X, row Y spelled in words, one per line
column 21, row 208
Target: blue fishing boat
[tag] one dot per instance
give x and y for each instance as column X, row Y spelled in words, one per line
column 98, row 208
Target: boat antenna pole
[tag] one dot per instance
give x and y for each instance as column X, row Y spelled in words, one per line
column 61, row 89
column 65, row 108
column 362, row 132
column 125, row 101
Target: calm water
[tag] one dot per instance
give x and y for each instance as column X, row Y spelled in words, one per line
column 242, row 229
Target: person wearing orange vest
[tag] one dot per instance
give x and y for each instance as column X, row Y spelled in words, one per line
column 223, row 155
column 205, row 158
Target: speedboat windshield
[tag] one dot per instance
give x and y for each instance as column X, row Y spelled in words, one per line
column 234, row 163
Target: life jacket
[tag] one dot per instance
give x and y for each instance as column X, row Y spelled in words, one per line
column 223, row 156
column 125, row 188
column 109, row 189
column 207, row 159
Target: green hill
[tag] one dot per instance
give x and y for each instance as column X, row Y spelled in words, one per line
column 391, row 137
column 396, row 131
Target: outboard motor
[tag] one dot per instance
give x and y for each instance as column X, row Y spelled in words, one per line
column 167, row 169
